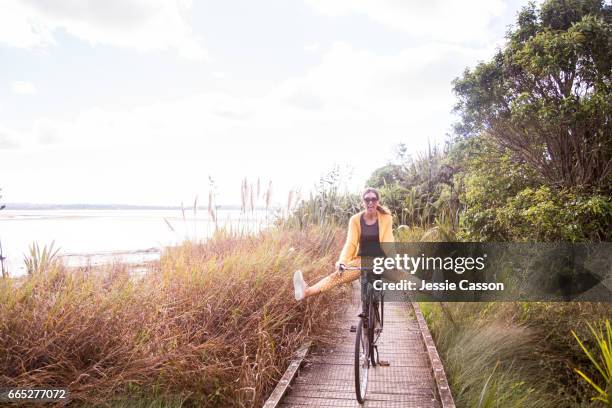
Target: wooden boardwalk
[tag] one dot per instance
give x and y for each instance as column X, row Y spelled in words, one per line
column 326, row 377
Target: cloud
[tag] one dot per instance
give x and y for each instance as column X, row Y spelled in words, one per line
column 141, row 24
column 23, row 87
column 441, row 20
column 312, row 47
column 7, row 140
column 352, row 107
column 47, row 132
column 304, row 99
column 230, row 114
column 412, row 83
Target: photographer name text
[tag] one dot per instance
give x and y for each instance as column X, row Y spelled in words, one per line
column 405, row 285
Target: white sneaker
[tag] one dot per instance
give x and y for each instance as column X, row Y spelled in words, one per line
column 299, row 285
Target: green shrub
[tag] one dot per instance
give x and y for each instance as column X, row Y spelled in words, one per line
column 40, row 260
column 603, row 363
column 505, row 201
column 545, row 215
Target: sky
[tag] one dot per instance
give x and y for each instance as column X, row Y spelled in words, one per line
column 141, row 101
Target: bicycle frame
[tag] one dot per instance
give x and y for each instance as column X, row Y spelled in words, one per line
column 367, row 334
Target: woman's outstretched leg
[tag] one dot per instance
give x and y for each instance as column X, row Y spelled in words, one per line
column 302, row 290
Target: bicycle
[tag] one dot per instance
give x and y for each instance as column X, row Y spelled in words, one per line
column 368, row 331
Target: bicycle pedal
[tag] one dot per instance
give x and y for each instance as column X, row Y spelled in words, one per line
column 353, row 329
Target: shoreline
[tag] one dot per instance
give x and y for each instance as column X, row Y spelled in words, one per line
column 137, row 260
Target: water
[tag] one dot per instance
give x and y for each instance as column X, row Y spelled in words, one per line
column 101, row 236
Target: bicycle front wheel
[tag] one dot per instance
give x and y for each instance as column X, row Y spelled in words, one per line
column 381, row 307
column 362, row 362
column 374, row 327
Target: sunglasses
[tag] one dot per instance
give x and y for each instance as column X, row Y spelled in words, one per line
column 369, row 200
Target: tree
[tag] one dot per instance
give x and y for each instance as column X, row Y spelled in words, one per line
column 546, row 96
column 503, row 201
column 388, row 174
column 420, row 190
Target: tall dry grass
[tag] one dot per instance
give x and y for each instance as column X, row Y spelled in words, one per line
column 515, row 354
column 490, row 362
column 213, row 324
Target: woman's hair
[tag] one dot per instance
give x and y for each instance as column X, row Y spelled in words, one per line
column 375, row 191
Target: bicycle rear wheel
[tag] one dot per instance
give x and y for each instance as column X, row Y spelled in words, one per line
column 362, row 362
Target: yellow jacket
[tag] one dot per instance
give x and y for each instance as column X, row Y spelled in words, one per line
column 351, row 246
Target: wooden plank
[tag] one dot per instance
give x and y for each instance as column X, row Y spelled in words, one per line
column 370, row 403
column 446, row 398
column 424, row 389
column 283, row 383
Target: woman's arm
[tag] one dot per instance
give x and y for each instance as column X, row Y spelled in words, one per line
column 387, row 239
column 349, row 251
column 388, row 246
column 388, row 229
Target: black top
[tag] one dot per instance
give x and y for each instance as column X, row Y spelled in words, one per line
column 369, row 241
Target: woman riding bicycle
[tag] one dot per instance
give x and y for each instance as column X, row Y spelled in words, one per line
column 366, row 231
